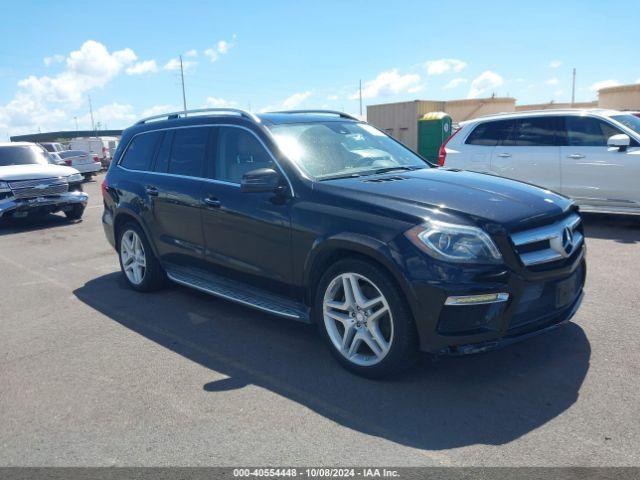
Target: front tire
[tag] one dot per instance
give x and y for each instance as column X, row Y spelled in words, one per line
column 364, row 318
column 139, row 265
column 75, row 213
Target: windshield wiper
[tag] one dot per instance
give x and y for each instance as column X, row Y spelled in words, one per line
column 393, row 169
column 336, row 177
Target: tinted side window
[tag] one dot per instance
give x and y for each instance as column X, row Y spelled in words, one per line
column 534, row 132
column 490, row 134
column 141, row 151
column 162, row 161
column 588, row 131
column 187, row 151
column 239, row 152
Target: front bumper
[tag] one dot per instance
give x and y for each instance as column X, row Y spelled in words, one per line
column 537, row 302
column 85, row 168
column 54, row 202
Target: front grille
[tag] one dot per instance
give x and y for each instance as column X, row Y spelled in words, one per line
column 39, row 188
column 555, row 242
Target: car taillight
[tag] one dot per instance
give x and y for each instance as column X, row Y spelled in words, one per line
column 442, row 153
column 68, row 162
column 96, row 158
column 103, row 187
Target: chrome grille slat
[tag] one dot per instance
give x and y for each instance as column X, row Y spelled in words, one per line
column 38, row 188
column 553, row 235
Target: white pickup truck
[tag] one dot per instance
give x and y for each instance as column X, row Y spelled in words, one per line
column 30, row 185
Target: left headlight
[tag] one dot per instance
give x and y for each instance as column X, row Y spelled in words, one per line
column 455, row 243
column 74, row 178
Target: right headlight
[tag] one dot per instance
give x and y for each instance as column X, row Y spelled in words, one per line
column 454, row 243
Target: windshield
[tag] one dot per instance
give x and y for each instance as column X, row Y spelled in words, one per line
column 629, row 121
column 337, row 149
column 23, row 155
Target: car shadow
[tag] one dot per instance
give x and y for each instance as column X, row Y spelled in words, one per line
column 621, row 228
column 490, row 398
column 9, row 226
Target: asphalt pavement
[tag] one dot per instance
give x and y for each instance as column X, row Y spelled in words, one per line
column 95, row 374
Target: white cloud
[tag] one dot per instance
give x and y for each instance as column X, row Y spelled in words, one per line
column 388, row 83
column 221, row 48
column 417, row 88
column 555, row 64
column 484, row 83
column 218, row 103
column 603, row 84
column 45, row 101
column 174, row 64
column 295, row 100
column 191, row 53
column 558, row 93
column 160, row 109
column 57, row 58
column 114, row 115
column 552, row 81
column 455, row 83
column 444, row 65
column 332, row 97
column 147, row 66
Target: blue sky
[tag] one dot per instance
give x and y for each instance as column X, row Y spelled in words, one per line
column 295, row 54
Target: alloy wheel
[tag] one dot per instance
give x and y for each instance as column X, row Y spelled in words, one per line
column 358, row 319
column 133, row 257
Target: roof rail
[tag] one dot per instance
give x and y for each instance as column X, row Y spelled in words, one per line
column 322, row 112
column 542, row 110
column 185, row 113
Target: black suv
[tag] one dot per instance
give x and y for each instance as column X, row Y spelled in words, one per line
column 319, row 217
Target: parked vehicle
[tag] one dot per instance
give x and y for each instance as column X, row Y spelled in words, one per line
column 94, row 145
column 320, row 217
column 88, row 165
column 30, row 184
column 53, row 146
column 592, row 156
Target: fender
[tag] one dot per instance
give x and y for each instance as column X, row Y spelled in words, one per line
column 127, row 210
column 361, row 244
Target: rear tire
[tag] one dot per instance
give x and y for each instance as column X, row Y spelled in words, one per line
column 140, row 267
column 76, row 212
column 365, row 319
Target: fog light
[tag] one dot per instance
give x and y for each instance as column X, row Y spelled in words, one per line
column 477, row 299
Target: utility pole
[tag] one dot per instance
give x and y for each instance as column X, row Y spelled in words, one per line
column 76, row 119
column 573, row 88
column 360, row 90
column 93, row 125
column 184, row 97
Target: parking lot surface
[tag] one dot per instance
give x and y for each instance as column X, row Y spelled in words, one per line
column 93, row 373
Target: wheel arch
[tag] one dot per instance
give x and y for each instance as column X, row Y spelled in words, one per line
column 339, row 247
column 124, row 216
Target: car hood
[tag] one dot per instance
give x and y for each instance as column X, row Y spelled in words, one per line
column 480, row 197
column 34, row 172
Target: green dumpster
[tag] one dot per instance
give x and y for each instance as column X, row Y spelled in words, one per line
column 433, row 129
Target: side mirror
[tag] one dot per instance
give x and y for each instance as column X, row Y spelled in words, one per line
column 620, row 141
column 260, row 180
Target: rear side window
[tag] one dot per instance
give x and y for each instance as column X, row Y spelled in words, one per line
column 490, row 134
column 534, row 132
column 588, row 131
column 141, row 151
column 188, row 150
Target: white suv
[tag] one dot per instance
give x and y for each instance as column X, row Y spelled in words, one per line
column 592, row 156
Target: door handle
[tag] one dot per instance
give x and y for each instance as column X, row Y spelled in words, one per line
column 504, row 155
column 151, row 190
column 212, row 202
column 575, row 156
